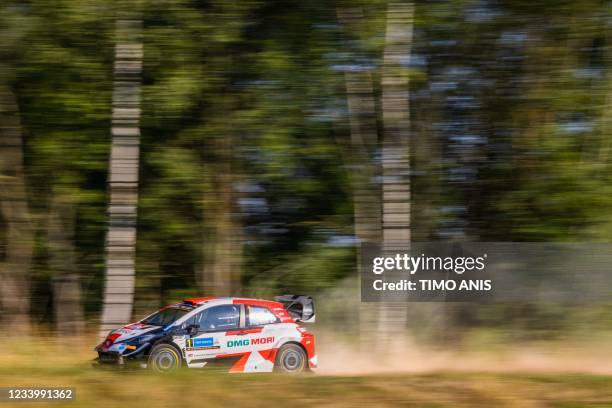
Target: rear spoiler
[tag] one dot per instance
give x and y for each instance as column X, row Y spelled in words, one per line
column 300, row 307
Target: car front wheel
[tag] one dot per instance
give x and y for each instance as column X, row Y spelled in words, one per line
column 164, row 359
column 291, row 358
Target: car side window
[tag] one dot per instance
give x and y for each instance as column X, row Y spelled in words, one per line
column 195, row 319
column 259, row 316
column 224, row 317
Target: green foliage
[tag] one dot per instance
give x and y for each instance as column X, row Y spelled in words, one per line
column 509, row 127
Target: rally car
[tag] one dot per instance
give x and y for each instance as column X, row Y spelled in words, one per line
column 241, row 335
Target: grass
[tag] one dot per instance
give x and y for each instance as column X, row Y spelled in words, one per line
column 44, row 362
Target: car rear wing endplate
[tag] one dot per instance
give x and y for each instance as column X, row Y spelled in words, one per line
column 300, row 307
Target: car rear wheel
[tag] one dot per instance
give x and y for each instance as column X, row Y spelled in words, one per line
column 290, row 358
column 164, row 358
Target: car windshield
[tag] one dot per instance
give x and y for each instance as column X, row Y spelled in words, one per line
column 165, row 317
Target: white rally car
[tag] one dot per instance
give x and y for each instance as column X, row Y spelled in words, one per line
column 244, row 335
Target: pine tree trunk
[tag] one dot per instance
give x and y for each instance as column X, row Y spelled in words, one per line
column 123, row 177
column 361, row 152
column 396, row 119
column 68, row 308
column 228, row 244
column 366, row 194
column 223, row 245
column 18, row 240
column 396, row 225
column 605, row 120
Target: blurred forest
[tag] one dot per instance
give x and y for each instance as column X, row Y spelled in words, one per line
column 156, row 149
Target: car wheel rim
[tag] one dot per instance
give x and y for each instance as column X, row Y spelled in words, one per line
column 165, row 361
column 292, row 360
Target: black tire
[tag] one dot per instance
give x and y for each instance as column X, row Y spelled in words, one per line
column 164, row 358
column 291, row 359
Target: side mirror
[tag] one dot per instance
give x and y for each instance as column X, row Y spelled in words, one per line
column 193, row 329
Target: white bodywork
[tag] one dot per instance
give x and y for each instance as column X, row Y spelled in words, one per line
column 254, row 348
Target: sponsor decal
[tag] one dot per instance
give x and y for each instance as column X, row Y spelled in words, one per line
column 263, row 340
column 238, row 343
column 202, row 343
column 253, row 342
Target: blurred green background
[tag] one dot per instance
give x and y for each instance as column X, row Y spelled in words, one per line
column 269, row 132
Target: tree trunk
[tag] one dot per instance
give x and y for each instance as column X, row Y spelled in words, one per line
column 361, row 152
column 396, row 119
column 223, row 245
column 396, row 225
column 366, row 193
column 18, row 240
column 227, row 245
column 605, row 120
column 363, row 145
column 67, row 304
column 123, row 177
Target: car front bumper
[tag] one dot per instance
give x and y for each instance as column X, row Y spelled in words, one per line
column 113, row 359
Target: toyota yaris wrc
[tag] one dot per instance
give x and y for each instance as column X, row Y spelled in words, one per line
column 242, row 335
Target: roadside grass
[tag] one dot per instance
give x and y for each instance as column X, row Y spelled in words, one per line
column 45, row 362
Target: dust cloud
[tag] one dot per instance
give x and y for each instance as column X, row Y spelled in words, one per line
column 338, row 357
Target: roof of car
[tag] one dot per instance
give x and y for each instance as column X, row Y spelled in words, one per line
column 276, row 307
column 199, row 300
column 257, row 302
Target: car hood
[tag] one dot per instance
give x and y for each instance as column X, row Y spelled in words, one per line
column 128, row 332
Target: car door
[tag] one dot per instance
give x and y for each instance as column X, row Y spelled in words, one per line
column 255, row 341
column 210, row 341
